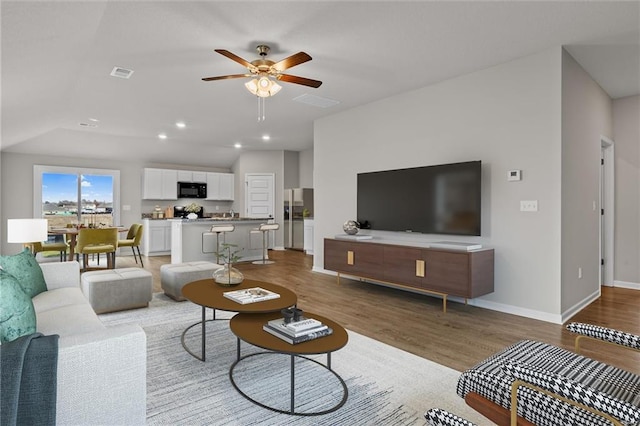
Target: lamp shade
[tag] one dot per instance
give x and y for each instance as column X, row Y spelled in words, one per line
column 263, row 87
column 26, row 230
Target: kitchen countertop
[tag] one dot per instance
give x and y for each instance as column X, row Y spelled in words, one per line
column 209, row 219
column 223, row 219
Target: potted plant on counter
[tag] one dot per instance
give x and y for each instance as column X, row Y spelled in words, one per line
column 228, row 254
column 193, row 210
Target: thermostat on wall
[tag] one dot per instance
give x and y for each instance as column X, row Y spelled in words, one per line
column 514, row 175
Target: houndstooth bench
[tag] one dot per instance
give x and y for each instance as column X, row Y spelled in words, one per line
column 604, row 388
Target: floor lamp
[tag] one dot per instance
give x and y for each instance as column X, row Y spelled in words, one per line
column 27, row 231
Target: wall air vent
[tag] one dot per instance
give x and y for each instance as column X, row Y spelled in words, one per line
column 121, row 72
column 316, row 101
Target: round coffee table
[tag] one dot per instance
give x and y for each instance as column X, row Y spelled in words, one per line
column 208, row 294
column 248, row 327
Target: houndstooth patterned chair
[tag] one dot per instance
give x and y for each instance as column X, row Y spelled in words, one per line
column 593, row 385
column 440, row 417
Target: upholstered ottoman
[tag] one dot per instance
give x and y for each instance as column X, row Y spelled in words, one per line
column 174, row 276
column 117, row 289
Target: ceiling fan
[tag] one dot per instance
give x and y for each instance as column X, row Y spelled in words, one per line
column 264, row 71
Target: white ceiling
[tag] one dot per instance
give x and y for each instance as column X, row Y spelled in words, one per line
column 57, row 56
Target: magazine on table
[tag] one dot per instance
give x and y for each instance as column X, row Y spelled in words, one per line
column 250, row 295
column 298, row 328
column 294, row 340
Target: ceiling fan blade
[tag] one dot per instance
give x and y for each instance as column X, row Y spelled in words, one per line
column 299, row 80
column 235, row 57
column 224, row 77
column 291, row 61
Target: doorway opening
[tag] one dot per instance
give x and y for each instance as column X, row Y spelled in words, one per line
column 607, row 189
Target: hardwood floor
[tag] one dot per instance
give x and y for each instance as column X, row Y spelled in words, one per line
column 415, row 323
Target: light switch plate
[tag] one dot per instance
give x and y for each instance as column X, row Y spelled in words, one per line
column 529, row 206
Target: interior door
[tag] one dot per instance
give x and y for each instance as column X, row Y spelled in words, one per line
column 260, row 195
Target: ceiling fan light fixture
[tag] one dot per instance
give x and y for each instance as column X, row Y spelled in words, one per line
column 263, row 87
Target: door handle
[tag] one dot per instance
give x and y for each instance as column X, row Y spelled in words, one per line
column 420, row 268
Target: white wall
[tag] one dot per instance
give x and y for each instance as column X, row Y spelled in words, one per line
column 626, row 133
column 586, row 117
column 507, row 116
column 306, row 168
column 291, row 169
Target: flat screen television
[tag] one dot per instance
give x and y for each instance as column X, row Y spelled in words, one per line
column 440, row 199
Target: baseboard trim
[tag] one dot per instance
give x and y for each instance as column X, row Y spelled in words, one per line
column 626, row 284
column 566, row 315
column 515, row 310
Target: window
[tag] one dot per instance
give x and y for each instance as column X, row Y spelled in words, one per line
column 71, row 195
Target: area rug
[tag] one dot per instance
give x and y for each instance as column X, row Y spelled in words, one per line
column 386, row 386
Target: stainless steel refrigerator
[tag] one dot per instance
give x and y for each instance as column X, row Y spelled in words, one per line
column 298, row 205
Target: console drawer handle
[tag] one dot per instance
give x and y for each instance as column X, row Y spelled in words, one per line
column 349, row 257
column 420, row 268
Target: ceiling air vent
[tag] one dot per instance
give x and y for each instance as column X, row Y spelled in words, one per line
column 316, row 101
column 121, row 72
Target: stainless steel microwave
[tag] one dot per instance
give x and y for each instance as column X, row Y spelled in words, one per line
column 192, row 190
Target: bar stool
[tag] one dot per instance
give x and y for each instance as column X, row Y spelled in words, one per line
column 217, row 229
column 265, row 228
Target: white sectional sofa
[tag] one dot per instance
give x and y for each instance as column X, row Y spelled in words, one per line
column 101, row 370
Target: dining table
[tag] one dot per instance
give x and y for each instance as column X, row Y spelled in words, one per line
column 72, row 233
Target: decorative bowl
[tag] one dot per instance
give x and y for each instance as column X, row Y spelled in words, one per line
column 351, row 227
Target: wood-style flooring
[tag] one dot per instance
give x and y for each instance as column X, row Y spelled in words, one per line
column 459, row 338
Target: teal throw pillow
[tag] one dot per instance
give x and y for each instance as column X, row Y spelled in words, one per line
column 27, row 271
column 17, row 316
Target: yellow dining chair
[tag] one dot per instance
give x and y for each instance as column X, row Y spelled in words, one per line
column 133, row 240
column 96, row 241
column 41, row 247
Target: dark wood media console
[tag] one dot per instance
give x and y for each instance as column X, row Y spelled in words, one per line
column 437, row 271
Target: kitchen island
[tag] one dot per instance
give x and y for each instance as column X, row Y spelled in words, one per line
column 189, row 244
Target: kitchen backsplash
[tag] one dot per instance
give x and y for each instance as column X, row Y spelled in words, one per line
column 148, row 206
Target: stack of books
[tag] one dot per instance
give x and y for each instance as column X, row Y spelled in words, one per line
column 250, row 295
column 299, row 331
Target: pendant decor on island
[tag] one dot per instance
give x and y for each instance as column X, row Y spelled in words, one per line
column 228, row 275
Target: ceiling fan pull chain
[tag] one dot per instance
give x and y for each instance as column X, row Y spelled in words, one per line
column 261, row 109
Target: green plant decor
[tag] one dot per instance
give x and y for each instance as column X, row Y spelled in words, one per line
column 228, row 254
column 192, row 208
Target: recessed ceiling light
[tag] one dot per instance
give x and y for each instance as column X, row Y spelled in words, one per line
column 83, row 124
column 237, row 145
column 266, row 137
column 181, row 124
column 162, row 136
column 95, row 120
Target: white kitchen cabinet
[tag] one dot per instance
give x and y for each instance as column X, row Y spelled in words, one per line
column 226, row 186
column 199, row 177
column 213, row 186
column 156, row 237
column 189, row 176
column 160, row 184
column 220, row 186
column 185, row 176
